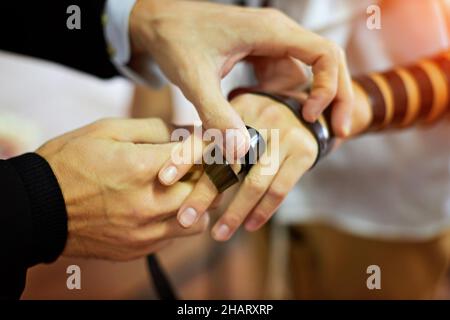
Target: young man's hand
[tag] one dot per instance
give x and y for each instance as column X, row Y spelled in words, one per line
column 291, row 150
column 196, row 44
column 116, row 207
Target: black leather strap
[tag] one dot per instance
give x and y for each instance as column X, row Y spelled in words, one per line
column 161, row 282
column 320, row 131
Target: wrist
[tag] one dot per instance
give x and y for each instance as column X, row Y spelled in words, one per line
column 144, row 17
column 137, row 15
column 362, row 113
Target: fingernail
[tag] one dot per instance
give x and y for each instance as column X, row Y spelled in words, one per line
column 188, row 217
column 222, row 232
column 236, row 143
column 252, row 224
column 169, row 174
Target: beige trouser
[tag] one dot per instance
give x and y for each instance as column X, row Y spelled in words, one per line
column 330, row 264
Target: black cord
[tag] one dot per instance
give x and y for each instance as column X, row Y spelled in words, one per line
column 161, row 282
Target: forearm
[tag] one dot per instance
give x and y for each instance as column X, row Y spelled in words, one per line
column 404, row 96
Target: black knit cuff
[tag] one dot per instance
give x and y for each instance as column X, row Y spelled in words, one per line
column 47, row 206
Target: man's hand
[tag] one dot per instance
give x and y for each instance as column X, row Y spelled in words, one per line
column 291, row 151
column 108, row 175
column 196, row 44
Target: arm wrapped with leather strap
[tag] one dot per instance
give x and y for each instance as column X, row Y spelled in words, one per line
column 408, row 95
column 398, row 98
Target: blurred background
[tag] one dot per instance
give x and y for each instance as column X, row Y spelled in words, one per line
column 39, row 100
column 383, row 208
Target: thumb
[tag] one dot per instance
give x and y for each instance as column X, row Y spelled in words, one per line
column 216, row 113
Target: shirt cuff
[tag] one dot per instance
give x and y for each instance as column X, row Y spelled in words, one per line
column 116, row 24
column 116, row 29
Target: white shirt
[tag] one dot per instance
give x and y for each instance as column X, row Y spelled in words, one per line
column 117, row 36
column 394, row 185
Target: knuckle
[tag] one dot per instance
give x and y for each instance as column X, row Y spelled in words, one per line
column 261, row 215
column 272, row 13
column 333, row 49
column 271, row 112
column 245, row 99
column 208, row 117
column 233, row 221
column 137, row 166
column 309, row 151
column 302, row 137
column 295, row 135
column 254, row 184
column 277, row 194
column 161, row 27
column 102, row 124
column 203, row 198
column 140, row 168
column 330, row 52
column 126, row 158
column 141, row 214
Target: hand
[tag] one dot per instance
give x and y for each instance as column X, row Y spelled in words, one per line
column 116, row 207
column 289, row 155
column 197, row 44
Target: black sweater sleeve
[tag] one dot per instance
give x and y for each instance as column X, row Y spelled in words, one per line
column 39, row 28
column 33, row 220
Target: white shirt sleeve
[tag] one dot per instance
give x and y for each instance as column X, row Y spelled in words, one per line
column 117, row 14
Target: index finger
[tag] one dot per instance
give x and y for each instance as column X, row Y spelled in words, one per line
column 284, row 37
